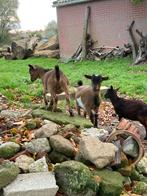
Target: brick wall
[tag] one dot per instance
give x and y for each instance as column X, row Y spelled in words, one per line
column 108, row 23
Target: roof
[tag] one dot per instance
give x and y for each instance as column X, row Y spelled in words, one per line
column 59, row 3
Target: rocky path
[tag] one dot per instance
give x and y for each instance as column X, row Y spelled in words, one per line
column 44, row 153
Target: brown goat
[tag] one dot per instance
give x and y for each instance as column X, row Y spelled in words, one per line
column 126, row 108
column 54, row 82
column 88, row 97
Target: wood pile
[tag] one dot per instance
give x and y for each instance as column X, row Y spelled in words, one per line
column 21, row 49
column 50, row 48
column 26, row 48
column 102, row 52
column 86, row 49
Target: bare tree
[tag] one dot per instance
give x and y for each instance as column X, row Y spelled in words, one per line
column 8, row 17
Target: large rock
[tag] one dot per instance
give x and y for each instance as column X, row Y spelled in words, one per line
column 61, row 118
column 74, row 178
column 23, row 162
column 111, row 182
column 12, row 114
column 38, row 145
column 130, row 147
column 47, row 130
column 101, row 134
column 99, row 153
column 62, row 145
column 142, row 165
column 8, row 172
column 41, row 184
column 69, row 128
column 39, row 166
column 8, row 149
column 57, row 157
column 140, row 188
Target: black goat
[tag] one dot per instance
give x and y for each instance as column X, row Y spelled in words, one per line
column 126, row 108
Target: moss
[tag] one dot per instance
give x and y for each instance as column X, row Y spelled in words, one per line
column 111, row 183
column 140, row 188
column 61, row 118
column 8, row 172
column 9, row 149
column 74, row 177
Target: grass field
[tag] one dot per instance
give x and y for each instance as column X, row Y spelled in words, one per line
column 15, row 81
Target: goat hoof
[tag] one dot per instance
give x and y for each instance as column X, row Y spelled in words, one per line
column 71, row 113
column 56, row 110
column 49, row 108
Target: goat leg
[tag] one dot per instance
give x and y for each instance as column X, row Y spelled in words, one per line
column 68, row 104
column 55, row 100
column 78, row 109
column 85, row 113
column 95, row 120
column 91, row 116
column 45, row 100
column 50, row 106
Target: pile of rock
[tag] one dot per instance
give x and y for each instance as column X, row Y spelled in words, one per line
column 68, row 160
column 50, row 48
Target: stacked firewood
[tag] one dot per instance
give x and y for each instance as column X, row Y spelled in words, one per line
column 101, row 53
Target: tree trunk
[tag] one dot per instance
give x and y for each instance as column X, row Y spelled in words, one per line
column 134, row 43
column 85, row 29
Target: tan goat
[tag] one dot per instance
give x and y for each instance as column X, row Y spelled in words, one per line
column 54, row 82
column 88, row 97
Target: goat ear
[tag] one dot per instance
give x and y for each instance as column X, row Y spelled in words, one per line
column 111, row 87
column 117, row 89
column 105, row 78
column 31, row 66
column 88, row 76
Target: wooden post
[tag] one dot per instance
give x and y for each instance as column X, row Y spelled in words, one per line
column 85, row 29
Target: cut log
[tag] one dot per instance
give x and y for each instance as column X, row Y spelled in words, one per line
column 47, row 53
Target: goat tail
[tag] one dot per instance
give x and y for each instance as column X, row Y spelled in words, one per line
column 80, row 83
column 57, row 72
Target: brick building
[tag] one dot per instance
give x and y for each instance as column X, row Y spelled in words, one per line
column 108, row 22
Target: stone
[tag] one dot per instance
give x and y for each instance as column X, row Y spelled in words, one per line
column 142, row 165
column 140, row 188
column 62, row 145
column 101, row 134
column 99, row 153
column 8, row 149
column 33, row 184
column 126, row 171
column 38, row 145
column 33, row 124
column 124, row 160
column 130, row 147
column 136, row 176
column 12, row 114
column 8, row 172
column 61, row 118
column 23, row 162
column 47, row 130
column 111, row 182
column 38, row 166
column 69, row 128
column 74, row 178
column 57, row 157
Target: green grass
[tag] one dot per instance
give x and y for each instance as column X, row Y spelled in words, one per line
column 15, row 81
